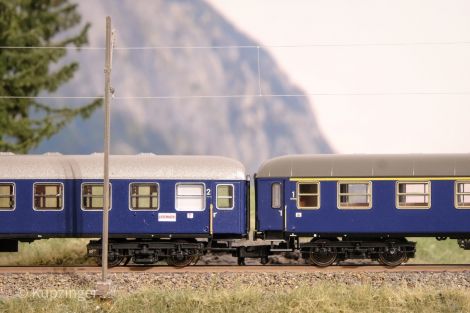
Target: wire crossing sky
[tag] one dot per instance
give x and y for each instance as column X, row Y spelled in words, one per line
column 384, row 123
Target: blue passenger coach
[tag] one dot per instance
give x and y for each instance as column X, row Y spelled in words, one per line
column 176, row 204
column 369, row 203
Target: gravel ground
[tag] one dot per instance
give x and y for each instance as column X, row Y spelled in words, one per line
column 12, row 285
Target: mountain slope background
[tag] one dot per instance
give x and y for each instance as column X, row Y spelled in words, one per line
column 250, row 129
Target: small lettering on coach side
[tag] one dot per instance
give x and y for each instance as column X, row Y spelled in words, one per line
column 167, row 217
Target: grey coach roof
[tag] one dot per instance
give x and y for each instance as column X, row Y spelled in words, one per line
column 406, row 165
column 141, row 166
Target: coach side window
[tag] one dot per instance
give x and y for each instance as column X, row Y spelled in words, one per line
column 190, row 197
column 144, row 196
column 92, row 196
column 413, row 195
column 225, row 197
column 308, row 195
column 48, row 196
column 276, row 196
column 462, row 194
column 354, row 195
column 7, row 196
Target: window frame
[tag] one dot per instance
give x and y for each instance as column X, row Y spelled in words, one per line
column 369, row 194
column 150, row 196
column 318, row 195
column 225, row 197
column 49, row 209
column 13, row 195
column 96, row 210
column 457, row 194
column 203, row 195
column 412, row 207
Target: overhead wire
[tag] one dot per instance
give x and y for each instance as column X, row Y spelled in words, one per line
column 258, row 47
column 183, row 97
column 320, row 44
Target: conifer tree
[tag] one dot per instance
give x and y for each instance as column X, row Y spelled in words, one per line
column 24, row 123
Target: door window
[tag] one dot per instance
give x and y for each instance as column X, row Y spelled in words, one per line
column 225, row 197
column 276, row 196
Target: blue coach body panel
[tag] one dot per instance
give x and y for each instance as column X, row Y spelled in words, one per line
column 167, row 171
column 124, row 221
column 75, row 222
column 25, row 220
column 383, row 218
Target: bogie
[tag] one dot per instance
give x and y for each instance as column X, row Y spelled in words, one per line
column 178, row 253
column 325, row 252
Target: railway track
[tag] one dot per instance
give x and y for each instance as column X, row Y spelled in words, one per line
column 239, row 269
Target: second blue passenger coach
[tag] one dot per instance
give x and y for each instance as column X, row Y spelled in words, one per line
column 363, row 201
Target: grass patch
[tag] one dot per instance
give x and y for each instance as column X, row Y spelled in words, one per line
column 56, row 251
column 325, row 297
column 431, row 251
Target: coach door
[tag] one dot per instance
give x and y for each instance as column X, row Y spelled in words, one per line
column 277, row 204
column 270, row 206
column 226, row 208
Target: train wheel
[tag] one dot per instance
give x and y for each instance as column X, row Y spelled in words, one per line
column 182, row 257
column 179, row 260
column 323, row 256
column 392, row 256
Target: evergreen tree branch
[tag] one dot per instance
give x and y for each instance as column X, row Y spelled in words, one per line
column 25, row 123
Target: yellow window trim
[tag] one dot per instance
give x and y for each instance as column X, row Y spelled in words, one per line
column 412, row 207
column 308, row 194
column 456, row 194
column 368, row 195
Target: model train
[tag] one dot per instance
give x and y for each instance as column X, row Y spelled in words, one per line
column 177, row 208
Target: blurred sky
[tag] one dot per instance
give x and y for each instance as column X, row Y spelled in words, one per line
column 379, row 123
